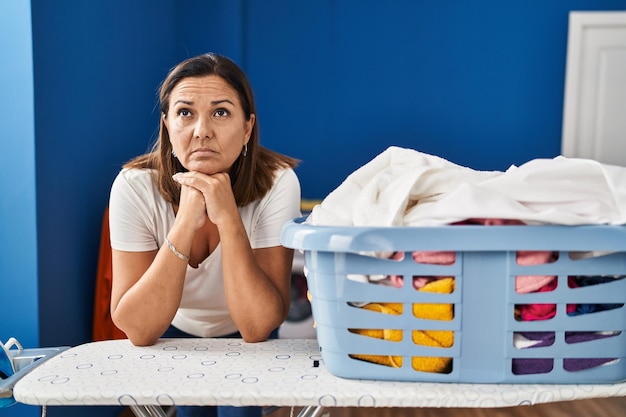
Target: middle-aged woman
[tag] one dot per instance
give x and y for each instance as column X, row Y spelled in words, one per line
column 195, row 223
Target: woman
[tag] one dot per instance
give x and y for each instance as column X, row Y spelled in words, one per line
column 195, row 224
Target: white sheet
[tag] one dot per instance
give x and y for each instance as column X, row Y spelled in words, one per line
column 405, row 187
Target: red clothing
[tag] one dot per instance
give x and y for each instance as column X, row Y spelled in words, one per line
column 103, row 327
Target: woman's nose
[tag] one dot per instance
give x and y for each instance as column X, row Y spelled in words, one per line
column 203, row 128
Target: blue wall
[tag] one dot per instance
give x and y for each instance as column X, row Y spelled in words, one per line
column 479, row 83
column 18, row 222
column 97, row 66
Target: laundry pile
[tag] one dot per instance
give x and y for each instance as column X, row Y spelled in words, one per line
column 404, row 187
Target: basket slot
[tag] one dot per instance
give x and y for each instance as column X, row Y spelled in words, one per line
column 608, row 292
column 342, row 315
column 608, row 320
column 600, row 374
column 345, row 366
column 432, row 364
column 605, row 347
column 407, row 313
column 344, row 263
column 340, row 288
column 603, row 293
column 536, row 366
column 582, row 364
column 612, row 264
column 428, row 339
column 611, row 259
column 360, row 344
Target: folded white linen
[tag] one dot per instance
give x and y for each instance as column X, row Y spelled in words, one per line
column 406, row 187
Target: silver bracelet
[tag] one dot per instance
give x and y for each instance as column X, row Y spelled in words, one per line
column 175, row 251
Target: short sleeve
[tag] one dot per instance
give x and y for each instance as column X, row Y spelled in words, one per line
column 132, row 211
column 280, row 204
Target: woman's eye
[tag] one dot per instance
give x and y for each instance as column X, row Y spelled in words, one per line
column 221, row 113
column 184, row 112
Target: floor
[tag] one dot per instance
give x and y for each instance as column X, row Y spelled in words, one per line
column 604, row 407
column 598, row 407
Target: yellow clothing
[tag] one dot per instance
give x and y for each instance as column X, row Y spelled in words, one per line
column 435, row 338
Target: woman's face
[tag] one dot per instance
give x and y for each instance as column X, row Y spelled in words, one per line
column 206, row 124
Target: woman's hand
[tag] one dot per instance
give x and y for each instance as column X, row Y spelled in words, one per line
column 191, row 208
column 215, row 191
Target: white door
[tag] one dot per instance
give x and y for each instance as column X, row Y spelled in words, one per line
column 594, row 119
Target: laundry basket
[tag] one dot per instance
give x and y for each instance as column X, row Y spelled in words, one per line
column 482, row 339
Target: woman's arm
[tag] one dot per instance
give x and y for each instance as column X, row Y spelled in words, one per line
column 146, row 292
column 257, row 285
column 148, row 286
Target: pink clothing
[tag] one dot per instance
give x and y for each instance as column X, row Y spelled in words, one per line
column 523, row 283
column 433, row 258
column 531, row 283
column 532, row 312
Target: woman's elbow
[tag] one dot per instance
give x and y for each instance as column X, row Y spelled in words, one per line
column 142, row 341
column 259, row 332
column 254, row 337
column 137, row 337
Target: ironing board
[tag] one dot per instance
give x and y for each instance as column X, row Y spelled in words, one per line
column 280, row 372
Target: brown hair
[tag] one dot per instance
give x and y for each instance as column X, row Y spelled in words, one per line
column 252, row 175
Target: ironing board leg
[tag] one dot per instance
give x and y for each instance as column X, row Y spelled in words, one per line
column 156, row 411
column 148, row 411
column 311, row 411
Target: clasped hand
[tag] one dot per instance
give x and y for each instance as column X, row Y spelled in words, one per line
column 205, row 196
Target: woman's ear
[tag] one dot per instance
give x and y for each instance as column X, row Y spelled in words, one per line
column 249, row 125
column 164, row 120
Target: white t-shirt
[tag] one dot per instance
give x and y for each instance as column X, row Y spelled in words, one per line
column 140, row 218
